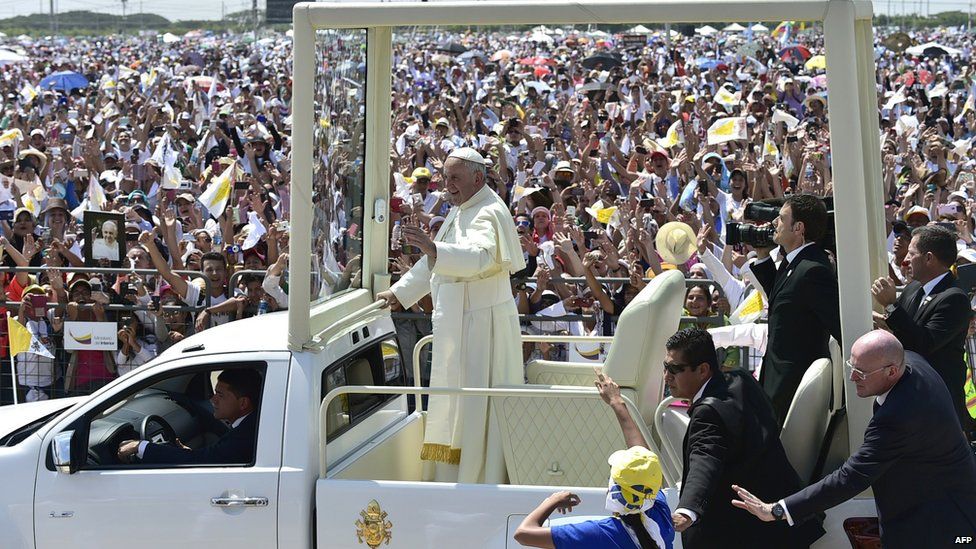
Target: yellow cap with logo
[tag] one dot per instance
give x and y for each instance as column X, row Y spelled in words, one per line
column 637, row 471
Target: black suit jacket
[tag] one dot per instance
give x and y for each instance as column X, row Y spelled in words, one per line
column 937, row 331
column 917, row 461
column 803, row 313
column 236, row 446
column 733, row 438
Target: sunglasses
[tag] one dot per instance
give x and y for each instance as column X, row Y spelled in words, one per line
column 674, row 368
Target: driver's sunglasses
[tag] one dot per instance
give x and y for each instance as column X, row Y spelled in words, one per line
column 674, row 368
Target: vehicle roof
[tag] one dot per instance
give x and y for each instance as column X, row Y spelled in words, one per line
column 267, row 332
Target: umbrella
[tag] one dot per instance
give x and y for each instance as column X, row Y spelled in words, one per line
column 541, row 71
column 187, row 68
column 602, row 61
column 932, row 49
column 540, row 87
column 204, row 83
column 819, row 81
column 923, row 76
column 898, row 42
column 64, row 81
column 707, row 30
column 471, row 55
column 795, row 51
column 816, row 62
column 7, row 57
column 709, row 63
column 501, row 54
column 441, row 59
column 536, row 61
column 734, row 27
column 541, row 37
column 452, row 48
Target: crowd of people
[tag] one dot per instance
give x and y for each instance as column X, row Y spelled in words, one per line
column 597, row 142
column 125, row 162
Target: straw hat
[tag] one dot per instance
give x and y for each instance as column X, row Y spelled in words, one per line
column 676, row 242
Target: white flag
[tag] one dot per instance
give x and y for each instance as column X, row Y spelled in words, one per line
column 256, row 230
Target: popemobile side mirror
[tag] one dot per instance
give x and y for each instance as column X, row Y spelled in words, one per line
column 61, row 452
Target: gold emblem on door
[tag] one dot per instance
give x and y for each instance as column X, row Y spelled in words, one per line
column 372, row 528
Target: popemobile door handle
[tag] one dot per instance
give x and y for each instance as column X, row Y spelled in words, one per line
column 239, row 502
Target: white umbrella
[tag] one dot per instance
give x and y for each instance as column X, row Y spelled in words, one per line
column 919, row 49
column 7, row 57
column 639, row 29
column 170, row 38
column 540, row 87
column 734, row 27
column 707, row 30
column 759, row 27
column 541, row 37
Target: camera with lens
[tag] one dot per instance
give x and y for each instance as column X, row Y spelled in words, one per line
column 744, row 233
column 756, row 236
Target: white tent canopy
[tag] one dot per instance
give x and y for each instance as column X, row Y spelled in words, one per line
column 707, row 30
column 734, row 27
column 639, row 29
column 759, row 27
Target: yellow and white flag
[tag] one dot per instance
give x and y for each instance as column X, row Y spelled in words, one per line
column 726, row 98
column 22, row 340
column 31, row 204
column 96, row 195
column 215, row 198
column 171, row 178
column 727, row 129
column 782, row 116
column 109, row 110
column 673, row 137
column 769, row 147
column 749, row 310
column 10, row 137
column 28, row 92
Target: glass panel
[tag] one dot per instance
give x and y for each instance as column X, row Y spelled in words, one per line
column 339, row 152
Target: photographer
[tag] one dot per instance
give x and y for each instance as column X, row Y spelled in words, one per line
column 802, row 295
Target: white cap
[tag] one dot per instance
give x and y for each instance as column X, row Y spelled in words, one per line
column 469, row 155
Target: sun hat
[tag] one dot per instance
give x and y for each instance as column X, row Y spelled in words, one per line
column 676, row 242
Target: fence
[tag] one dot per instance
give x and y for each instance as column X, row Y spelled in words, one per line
column 31, row 376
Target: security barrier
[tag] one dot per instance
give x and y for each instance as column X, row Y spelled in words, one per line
column 72, row 370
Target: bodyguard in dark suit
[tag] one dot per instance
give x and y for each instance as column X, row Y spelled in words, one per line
column 914, row 456
column 803, row 300
column 235, row 400
column 931, row 317
column 732, row 437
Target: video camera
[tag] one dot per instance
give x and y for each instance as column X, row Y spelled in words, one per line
column 753, row 235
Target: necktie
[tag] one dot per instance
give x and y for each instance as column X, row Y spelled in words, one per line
column 916, row 302
column 875, row 406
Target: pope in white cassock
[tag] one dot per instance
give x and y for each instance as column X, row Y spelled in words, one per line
column 477, row 342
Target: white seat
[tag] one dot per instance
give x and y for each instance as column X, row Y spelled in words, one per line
column 637, row 353
column 557, row 441
column 806, row 422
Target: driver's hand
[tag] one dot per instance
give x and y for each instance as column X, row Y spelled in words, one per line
column 181, row 445
column 128, row 449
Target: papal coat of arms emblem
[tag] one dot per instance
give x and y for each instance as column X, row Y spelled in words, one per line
column 372, row 528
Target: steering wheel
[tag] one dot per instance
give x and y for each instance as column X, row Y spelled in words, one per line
column 169, row 434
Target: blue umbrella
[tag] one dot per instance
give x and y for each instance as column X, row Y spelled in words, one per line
column 64, row 81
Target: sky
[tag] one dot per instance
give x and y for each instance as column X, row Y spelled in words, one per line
column 211, row 9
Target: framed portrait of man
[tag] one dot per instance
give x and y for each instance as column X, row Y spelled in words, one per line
column 103, row 245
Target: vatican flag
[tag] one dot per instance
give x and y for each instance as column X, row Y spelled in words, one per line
column 673, row 137
column 10, row 137
column 28, row 92
column 782, row 116
column 726, row 98
column 96, row 195
column 727, row 129
column 769, row 148
column 215, row 198
column 23, row 341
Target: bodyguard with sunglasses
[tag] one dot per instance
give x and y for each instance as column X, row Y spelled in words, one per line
column 732, row 438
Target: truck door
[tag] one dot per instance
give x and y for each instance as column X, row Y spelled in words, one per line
column 223, row 501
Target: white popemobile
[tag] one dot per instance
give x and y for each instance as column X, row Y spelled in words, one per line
column 336, row 462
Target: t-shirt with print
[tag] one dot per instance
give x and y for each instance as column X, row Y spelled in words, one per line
column 195, row 297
